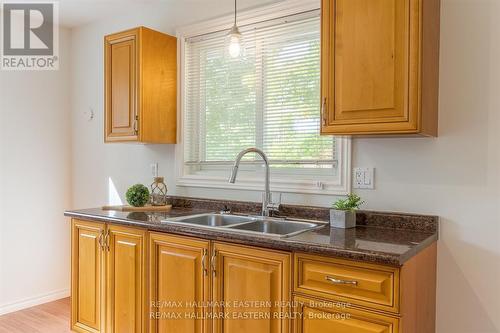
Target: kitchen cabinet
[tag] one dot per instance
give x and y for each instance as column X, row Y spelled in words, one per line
column 362, row 284
column 339, row 295
column 127, row 279
column 179, row 284
column 87, row 276
column 379, row 67
column 140, row 71
column 254, row 282
column 108, row 278
column 318, row 316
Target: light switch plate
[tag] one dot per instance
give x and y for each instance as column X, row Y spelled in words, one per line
column 363, row 178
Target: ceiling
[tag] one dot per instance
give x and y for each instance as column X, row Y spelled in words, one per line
column 74, row 13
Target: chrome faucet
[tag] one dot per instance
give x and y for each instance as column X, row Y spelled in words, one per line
column 267, row 206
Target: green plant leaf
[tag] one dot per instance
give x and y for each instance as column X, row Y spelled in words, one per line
column 352, row 202
column 137, row 195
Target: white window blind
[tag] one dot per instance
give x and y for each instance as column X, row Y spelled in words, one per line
column 269, row 98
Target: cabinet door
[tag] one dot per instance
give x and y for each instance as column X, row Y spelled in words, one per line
column 87, row 276
column 314, row 316
column 251, row 290
column 179, row 284
column 121, row 81
column 126, row 294
column 367, row 66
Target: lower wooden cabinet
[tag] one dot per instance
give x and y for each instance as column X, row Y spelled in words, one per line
column 108, row 278
column 128, row 280
column 326, row 316
column 362, row 284
column 252, row 288
column 178, row 284
column 87, row 277
column 125, row 282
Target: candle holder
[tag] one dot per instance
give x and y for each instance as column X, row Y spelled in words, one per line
column 158, row 192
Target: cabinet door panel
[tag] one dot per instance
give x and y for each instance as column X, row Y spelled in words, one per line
column 255, row 284
column 371, row 52
column 87, row 276
column 178, row 282
column 121, row 87
column 370, row 66
column 125, row 277
column 320, row 316
column 370, row 59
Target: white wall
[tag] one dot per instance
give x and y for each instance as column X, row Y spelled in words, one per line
column 34, row 184
column 94, row 162
column 455, row 176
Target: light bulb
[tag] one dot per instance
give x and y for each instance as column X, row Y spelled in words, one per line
column 234, row 47
column 234, row 43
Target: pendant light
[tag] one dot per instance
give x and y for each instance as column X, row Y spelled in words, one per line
column 234, row 39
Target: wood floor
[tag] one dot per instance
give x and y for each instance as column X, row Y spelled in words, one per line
column 51, row 317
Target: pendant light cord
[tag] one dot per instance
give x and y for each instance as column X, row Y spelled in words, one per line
column 235, row 12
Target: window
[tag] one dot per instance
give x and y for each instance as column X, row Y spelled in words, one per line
column 269, row 98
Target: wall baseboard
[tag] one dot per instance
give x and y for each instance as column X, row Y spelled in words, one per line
column 33, row 301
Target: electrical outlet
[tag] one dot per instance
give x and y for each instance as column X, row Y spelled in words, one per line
column 154, row 169
column 364, row 178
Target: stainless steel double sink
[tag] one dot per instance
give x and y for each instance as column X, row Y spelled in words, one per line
column 265, row 226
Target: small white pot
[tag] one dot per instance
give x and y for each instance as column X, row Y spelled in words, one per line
column 344, row 219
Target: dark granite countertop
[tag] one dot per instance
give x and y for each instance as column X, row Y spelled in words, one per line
column 392, row 243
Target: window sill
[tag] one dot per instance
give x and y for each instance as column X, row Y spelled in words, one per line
column 254, row 184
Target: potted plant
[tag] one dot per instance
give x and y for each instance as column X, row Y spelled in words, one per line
column 343, row 213
column 137, row 195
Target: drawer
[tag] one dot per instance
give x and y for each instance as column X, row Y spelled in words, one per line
column 316, row 316
column 367, row 285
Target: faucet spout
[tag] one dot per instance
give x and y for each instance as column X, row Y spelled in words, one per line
column 232, row 179
column 234, row 173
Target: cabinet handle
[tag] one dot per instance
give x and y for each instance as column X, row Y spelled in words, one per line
column 323, row 111
column 212, row 261
column 339, row 281
column 106, row 240
column 204, row 262
column 135, row 124
column 101, row 244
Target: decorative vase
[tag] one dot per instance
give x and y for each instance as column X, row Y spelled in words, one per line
column 344, row 219
column 158, row 192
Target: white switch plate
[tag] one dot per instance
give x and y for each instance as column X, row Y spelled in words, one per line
column 154, row 169
column 364, row 178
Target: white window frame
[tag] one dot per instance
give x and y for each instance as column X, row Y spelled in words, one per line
column 339, row 185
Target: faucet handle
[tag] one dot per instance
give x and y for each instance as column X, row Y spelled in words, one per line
column 225, row 210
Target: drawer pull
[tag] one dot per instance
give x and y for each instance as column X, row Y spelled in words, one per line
column 338, row 281
column 204, row 262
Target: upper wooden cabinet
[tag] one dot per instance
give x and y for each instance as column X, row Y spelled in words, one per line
column 140, row 87
column 379, row 67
